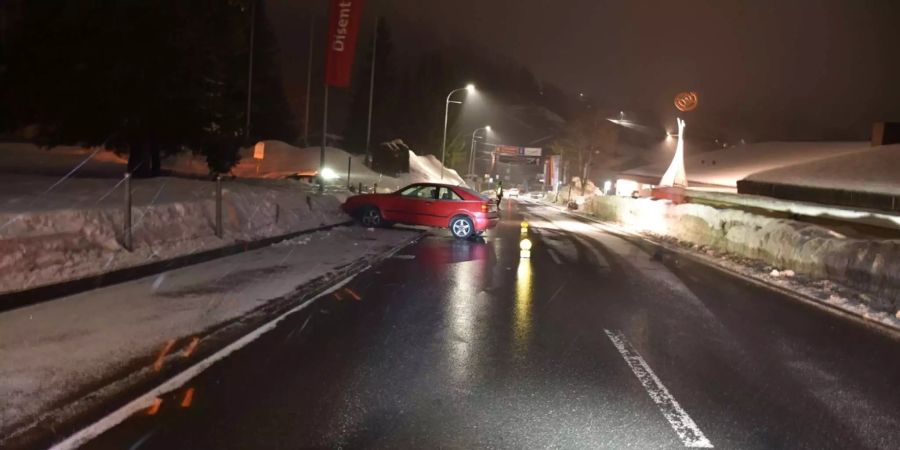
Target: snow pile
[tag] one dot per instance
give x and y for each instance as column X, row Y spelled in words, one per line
column 867, row 264
column 873, row 170
column 428, row 168
column 76, row 229
column 281, row 160
column 723, row 168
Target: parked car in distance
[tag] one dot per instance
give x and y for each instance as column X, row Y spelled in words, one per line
column 536, row 195
column 461, row 210
column 512, row 192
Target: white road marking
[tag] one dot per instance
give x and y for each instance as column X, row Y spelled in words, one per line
column 681, row 422
column 144, row 401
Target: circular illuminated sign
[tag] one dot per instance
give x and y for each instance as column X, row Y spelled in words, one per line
column 686, row 101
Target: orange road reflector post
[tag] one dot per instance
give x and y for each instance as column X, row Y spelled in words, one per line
column 188, row 398
column 154, row 408
column 157, row 366
column 353, row 294
column 191, row 347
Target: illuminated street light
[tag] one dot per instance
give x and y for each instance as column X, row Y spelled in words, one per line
column 470, row 88
column 471, row 165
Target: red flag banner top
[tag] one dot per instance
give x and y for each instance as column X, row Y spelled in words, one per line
column 343, row 28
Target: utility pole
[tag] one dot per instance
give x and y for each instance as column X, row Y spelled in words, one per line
column 250, row 69
column 312, row 23
column 371, row 90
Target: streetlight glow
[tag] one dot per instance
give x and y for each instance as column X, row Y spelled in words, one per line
column 470, row 88
column 329, row 174
column 471, row 164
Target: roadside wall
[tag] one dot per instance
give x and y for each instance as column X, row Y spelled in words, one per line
column 871, row 266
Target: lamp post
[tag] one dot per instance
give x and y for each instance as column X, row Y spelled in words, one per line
column 470, row 88
column 472, row 150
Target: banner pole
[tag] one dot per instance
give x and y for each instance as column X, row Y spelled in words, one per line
column 371, row 90
column 309, row 62
column 324, row 142
column 250, row 70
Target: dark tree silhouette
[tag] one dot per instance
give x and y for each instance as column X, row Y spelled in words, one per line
column 144, row 77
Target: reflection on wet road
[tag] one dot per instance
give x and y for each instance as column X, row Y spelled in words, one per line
column 587, row 343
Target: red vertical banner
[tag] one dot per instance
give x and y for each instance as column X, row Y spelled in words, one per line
column 343, row 28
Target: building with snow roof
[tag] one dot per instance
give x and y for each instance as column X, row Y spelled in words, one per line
column 863, row 179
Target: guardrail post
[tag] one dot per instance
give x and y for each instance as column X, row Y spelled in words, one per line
column 349, row 161
column 127, row 231
column 219, row 206
column 375, row 188
column 359, row 188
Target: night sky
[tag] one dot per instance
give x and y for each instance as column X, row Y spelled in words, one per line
column 765, row 70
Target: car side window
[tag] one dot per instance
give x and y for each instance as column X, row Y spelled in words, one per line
column 412, row 191
column 448, row 194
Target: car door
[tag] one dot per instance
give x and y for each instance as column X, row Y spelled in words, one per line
column 426, row 207
column 445, row 206
column 405, row 205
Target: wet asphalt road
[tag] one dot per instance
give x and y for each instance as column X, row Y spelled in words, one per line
column 466, row 345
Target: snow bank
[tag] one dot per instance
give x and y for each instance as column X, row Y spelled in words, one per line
column 866, row 264
column 281, row 160
column 76, row 229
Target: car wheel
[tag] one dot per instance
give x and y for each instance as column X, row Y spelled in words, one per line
column 370, row 217
column 461, row 227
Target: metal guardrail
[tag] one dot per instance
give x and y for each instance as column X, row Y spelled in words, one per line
column 834, row 197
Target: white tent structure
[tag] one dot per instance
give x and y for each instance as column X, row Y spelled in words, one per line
column 675, row 175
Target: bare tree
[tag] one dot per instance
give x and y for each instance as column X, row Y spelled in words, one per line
column 589, row 141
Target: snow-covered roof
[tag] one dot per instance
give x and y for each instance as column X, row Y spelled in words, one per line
column 875, row 169
column 723, row 168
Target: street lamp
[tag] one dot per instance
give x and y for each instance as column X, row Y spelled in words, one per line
column 472, row 150
column 470, row 88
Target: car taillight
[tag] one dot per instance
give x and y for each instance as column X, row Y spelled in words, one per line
column 485, row 207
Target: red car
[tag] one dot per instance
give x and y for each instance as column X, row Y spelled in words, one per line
column 463, row 211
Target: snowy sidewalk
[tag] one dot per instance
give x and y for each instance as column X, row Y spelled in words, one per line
column 59, row 358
